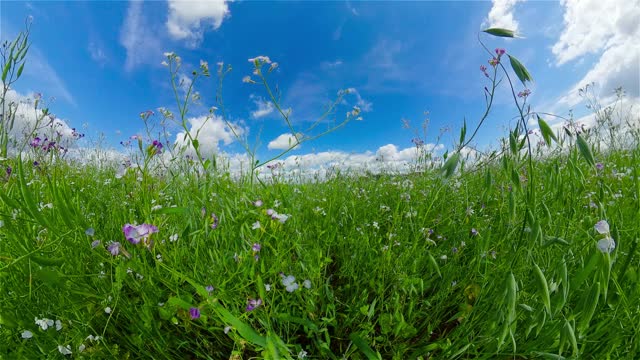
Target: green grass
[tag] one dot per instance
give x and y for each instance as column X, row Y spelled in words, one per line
column 381, row 286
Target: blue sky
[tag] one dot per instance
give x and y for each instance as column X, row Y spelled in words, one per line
column 101, row 60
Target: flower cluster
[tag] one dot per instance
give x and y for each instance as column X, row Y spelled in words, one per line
column 275, row 216
column 45, row 145
column 524, row 93
column 496, row 60
column 290, row 284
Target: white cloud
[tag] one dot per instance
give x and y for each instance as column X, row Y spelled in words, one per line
column 139, row 38
column 29, row 123
column 210, row 132
column 501, row 15
column 609, row 29
column 364, row 105
column 187, row 19
column 97, row 53
column 264, row 107
column 283, row 142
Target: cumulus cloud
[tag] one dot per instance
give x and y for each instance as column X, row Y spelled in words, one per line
column 139, row 38
column 210, row 131
column 608, row 29
column 187, row 19
column 283, row 142
column 31, row 122
column 501, row 15
column 386, row 158
column 263, row 107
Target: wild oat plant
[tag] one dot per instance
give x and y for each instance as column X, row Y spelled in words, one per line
column 526, row 252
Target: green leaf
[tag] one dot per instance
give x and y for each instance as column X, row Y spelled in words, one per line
column 246, row 331
column 513, row 145
column 463, row 131
column 546, row 131
column 364, row 347
column 20, row 71
column 520, row 70
column 7, row 66
column 450, row 165
column 500, row 32
column 196, row 144
column 585, row 151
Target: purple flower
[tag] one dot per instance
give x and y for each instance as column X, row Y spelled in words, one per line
column 599, row 166
column 253, row 304
column 256, row 247
column 214, row 218
column 209, row 288
column 136, row 233
column 257, row 203
column 89, row 232
column 35, row 142
column 474, row 232
column 9, row 171
column 36, row 164
column 95, row 244
column 114, row 248
column 500, row 52
column 194, row 313
column 524, row 93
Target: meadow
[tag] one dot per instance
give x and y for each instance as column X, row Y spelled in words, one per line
column 524, row 254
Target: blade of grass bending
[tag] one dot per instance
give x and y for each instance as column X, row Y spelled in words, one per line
column 543, row 288
column 585, row 151
column 364, row 347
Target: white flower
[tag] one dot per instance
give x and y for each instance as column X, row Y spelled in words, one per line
column 81, row 348
column 256, row 225
column 27, row 334
column 226, row 329
column 107, row 310
column 302, row 354
column 602, row 227
column 58, row 325
column 307, row 284
column 289, row 283
column 173, row 238
column 606, row 245
column 267, row 287
column 64, row 350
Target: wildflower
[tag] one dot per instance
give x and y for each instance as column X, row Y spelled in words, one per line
column 194, row 313
column 307, row 284
column 209, row 288
column 454, row 250
column 606, row 245
column 64, row 350
column 474, row 232
column 58, row 325
column 257, row 203
column 253, row 304
column 267, row 287
column 484, row 70
column 95, row 244
column 204, row 66
column 289, row 283
column 247, row 79
column 158, row 147
column 114, row 248
column 35, row 142
column 145, row 115
column 500, row 52
column 140, row 232
column 27, row 334
column 258, row 60
column 599, row 166
column 9, row 171
column 524, row 93
column 227, row 329
column 602, row 227
column 256, row 225
column 90, row 232
column 493, row 62
column 107, row 310
column 214, row 218
column 302, row 354
column 81, row 348
column 256, row 247
column 173, row 238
